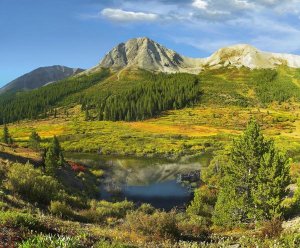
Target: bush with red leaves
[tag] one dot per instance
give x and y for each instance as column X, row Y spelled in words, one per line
column 77, row 167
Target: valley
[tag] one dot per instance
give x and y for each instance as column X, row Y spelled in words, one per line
column 107, row 146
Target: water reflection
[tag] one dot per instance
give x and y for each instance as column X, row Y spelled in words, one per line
column 142, row 180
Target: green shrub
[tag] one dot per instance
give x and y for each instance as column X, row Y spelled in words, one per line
column 19, row 220
column 158, row 226
column 108, row 244
column 101, row 210
column 146, row 208
column 49, row 241
column 3, row 206
column 193, row 226
column 31, row 183
column 61, row 209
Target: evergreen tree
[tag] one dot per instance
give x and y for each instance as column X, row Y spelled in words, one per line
column 50, row 162
column 255, row 181
column 55, row 146
column 54, row 157
column 203, row 202
column 6, row 136
column 34, row 141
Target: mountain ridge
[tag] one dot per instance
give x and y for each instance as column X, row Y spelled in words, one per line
column 40, row 77
column 145, row 53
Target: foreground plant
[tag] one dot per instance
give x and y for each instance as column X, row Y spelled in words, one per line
column 255, row 181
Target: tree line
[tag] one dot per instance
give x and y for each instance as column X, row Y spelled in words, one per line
column 158, row 93
column 38, row 103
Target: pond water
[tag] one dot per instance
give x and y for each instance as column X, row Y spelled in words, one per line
column 142, row 180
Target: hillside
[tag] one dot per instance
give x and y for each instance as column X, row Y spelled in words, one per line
column 40, row 77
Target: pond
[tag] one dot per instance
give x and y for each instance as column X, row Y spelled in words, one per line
column 142, row 180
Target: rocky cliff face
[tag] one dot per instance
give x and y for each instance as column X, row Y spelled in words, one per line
column 40, row 77
column 146, row 54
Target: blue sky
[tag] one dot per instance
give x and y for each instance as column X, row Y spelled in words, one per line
column 77, row 33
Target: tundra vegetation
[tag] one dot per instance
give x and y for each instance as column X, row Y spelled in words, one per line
column 244, row 199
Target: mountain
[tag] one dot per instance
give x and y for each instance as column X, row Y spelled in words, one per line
column 40, row 77
column 147, row 54
column 250, row 57
column 117, row 90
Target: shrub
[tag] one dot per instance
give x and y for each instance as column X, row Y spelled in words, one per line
column 97, row 173
column 195, row 226
column 203, row 202
column 3, row 206
column 146, row 208
column 100, row 211
column 77, row 167
column 50, row 241
column 31, row 183
column 108, row 244
column 272, row 229
column 291, row 240
column 18, row 220
column 61, row 209
column 158, row 226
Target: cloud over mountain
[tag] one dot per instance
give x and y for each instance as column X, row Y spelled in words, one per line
column 122, row 15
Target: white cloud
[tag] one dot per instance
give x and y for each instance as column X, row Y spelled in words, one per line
column 200, row 4
column 128, row 16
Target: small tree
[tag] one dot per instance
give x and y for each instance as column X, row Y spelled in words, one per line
column 255, row 181
column 203, row 202
column 34, row 141
column 50, row 163
column 6, row 136
column 55, row 146
column 53, row 157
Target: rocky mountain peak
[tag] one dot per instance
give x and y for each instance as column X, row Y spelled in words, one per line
column 142, row 53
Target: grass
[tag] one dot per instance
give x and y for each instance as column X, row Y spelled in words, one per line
column 188, row 131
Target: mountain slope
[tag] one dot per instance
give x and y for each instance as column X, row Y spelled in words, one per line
column 145, row 53
column 40, row 77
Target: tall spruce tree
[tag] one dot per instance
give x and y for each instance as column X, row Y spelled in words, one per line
column 255, row 181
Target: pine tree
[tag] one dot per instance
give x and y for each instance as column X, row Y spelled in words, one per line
column 34, row 140
column 50, row 163
column 6, row 136
column 55, row 146
column 255, row 181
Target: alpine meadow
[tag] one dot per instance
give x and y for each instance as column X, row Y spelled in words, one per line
column 150, row 148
